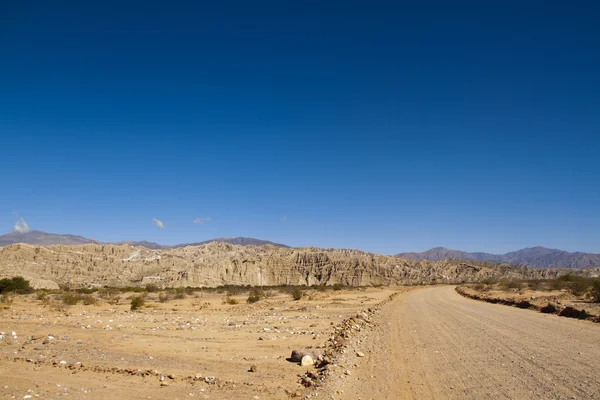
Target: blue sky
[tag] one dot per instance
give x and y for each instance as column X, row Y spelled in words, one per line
column 382, row 126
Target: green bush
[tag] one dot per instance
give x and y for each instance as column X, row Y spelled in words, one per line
column 137, row 302
column 17, row 283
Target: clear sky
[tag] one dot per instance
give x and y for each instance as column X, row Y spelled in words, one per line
column 383, row 126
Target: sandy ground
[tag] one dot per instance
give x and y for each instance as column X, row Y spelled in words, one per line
column 207, row 347
column 433, row 343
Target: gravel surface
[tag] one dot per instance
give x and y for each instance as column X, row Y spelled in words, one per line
column 433, row 343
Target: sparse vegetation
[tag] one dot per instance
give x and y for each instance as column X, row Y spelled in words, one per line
column 180, row 293
column 137, row 302
column 231, row 300
column 163, row 297
column 297, row 293
column 15, row 284
column 70, row 299
column 88, row 299
column 256, row 294
column 152, row 288
column 596, row 290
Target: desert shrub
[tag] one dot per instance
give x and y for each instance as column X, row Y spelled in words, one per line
column 489, row 281
column 231, row 300
column 255, row 295
column 70, row 299
column 535, row 284
column 297, row 293
column 179, row 293
column 107, row 293
column 88, row 299
column 133, row 289
column 596, row 290
column 557, row 284
column 189, row 290
column 549, row 309
column 6, row 299
column 137, row 302
column 16, row 283
column 163, row 297
column 87, row 290
column 338, row 286
column 41, row 295
column 512, row 284
column 479, row 287
column 579, row 285
column 152, row 288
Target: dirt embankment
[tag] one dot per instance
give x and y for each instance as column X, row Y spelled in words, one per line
column 548, row 303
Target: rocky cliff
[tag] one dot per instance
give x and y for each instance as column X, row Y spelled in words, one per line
column 215, row 264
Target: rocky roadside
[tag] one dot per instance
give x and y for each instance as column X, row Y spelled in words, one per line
column 343, row 352
column 531, row 303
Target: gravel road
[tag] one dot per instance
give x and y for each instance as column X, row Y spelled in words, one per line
column 435, row 344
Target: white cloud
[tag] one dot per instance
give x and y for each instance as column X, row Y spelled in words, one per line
column 21, row 226
column 201, row 220
column 158, row 223
column 283, row 219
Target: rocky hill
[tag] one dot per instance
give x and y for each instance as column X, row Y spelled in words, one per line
column 242, row 241
column 536, row 257
column 48, row 239
column 43, row 238
column 215, row 264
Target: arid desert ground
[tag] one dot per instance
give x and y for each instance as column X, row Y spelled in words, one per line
column 373, row 343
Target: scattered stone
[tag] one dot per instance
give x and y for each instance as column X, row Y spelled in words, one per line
column 306, row 361
column 360, row 354
column 253, row 368
column 298, row 354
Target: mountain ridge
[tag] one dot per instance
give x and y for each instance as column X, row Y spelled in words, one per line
column 535, row 257
column 49, row 239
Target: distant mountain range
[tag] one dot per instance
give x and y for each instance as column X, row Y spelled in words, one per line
column 243, row 241
column 48, row 239
column 536, row 257
column 42, row 238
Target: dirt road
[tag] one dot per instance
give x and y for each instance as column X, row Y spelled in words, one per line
column 436, row 344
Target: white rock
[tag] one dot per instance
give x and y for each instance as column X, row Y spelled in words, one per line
column 360, row 354
column 306, row 361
